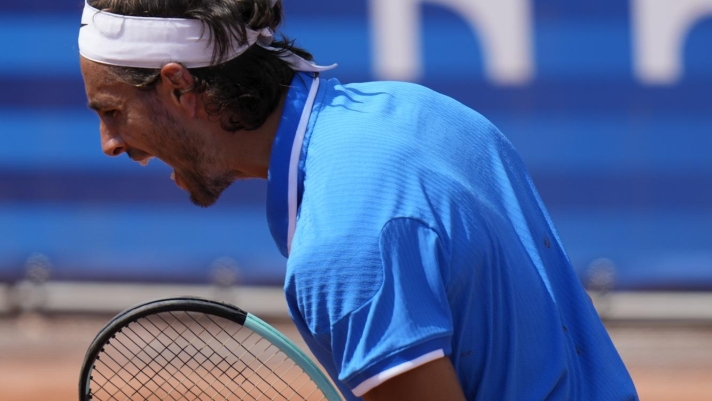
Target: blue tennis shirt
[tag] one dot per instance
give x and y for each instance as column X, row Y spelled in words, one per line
column 419, row 234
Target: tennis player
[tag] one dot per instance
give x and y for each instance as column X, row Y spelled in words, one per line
column 422, row 264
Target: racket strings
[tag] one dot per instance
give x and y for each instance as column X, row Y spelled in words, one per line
column 269, row 349
column 148, row 364
column 224, row 358
column 145, row 365
column 199, row 350
column 176, row 356
column 266, row 362
column 129, row 360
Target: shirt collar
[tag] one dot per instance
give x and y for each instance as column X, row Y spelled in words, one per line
column 278, row 172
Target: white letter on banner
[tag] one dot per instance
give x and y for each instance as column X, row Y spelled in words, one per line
column 659, row 31
column 504, row 26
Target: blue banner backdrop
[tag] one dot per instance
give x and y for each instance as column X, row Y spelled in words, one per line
column 609, row 103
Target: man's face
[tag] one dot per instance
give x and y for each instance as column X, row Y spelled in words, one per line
column 139, row 124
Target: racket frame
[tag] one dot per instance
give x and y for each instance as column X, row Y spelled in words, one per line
column 209, row 307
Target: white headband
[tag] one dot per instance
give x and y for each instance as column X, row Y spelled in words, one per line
column 148, row 42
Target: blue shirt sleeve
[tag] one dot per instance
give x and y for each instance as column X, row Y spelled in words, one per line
column 408, row 317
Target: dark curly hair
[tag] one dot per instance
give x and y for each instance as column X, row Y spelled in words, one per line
column 243, row 91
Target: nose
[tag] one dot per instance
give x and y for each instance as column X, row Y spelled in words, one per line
column 111, row 144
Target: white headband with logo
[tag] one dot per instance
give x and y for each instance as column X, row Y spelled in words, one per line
column 148, row 42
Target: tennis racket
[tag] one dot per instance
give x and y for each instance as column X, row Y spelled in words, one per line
column 195, row 349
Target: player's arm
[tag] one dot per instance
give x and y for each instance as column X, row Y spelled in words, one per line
column 435, row 380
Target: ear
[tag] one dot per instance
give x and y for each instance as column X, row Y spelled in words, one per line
column 177, row 87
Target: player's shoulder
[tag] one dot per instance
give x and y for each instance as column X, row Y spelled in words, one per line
column 393, row 86
column 403, row 92
column 380, row 125
column 386, row 106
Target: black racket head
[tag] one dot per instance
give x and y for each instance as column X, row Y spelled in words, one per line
column 188, row 349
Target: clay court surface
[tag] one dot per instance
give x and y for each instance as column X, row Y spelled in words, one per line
column 40, row 357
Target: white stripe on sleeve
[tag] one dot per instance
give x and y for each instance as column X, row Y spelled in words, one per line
column 390, row 373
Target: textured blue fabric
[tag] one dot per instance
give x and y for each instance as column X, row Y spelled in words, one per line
column 419, row 229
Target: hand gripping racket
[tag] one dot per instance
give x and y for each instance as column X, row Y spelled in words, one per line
column 195, row 349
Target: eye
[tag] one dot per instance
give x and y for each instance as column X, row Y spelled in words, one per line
column 109, row 113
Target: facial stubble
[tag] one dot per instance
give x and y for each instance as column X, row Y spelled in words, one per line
column 191, row 150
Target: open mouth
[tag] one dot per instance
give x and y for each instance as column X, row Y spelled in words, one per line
column 139, row 156
column 144, row 161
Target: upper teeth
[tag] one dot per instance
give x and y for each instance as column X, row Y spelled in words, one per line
column 145, row 161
